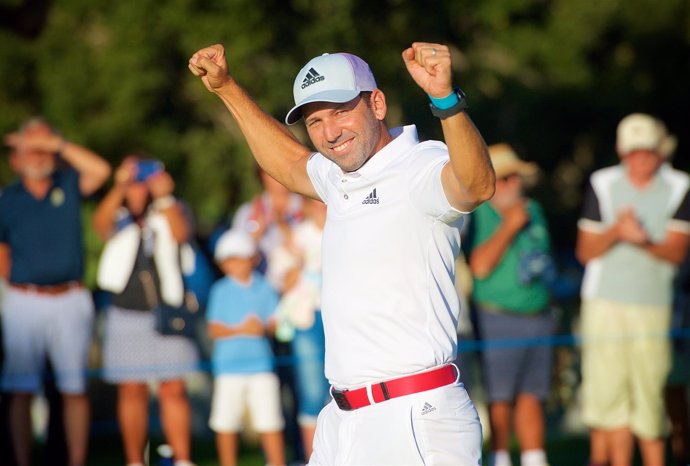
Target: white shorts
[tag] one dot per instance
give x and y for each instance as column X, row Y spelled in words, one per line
column 36, row 327
column 259, row 393
column 434, row 427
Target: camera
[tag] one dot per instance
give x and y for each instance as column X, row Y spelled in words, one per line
column 534, row 266
column 147, row 168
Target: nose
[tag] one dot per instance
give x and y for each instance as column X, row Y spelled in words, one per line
column 332, row 132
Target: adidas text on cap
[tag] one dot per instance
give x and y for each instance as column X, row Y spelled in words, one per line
column 336, row 77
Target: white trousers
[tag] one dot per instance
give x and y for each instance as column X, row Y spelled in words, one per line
column 436, row 427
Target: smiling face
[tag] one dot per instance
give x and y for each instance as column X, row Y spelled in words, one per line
column 348, row 133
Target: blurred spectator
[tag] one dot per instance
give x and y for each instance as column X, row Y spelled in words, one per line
column 268, row 215
column 47, row 311
column 510, row 258
column 144, row 227
column 296, row 264
column 633, row 232
column 241, row 312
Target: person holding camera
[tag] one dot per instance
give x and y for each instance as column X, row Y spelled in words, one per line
column 144, row 227
column 509, row 254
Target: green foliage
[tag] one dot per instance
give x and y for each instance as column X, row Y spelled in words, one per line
column 552, row 77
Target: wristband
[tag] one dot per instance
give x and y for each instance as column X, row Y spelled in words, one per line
column 459, row 106
column 444, row 102
column 164, row 202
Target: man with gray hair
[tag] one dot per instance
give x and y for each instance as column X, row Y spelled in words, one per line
column 633, row 232
column 47, row 311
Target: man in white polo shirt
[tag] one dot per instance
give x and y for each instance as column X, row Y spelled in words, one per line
column 395, row 205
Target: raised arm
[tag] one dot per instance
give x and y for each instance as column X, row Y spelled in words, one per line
column 469, row 178
column 485, row 257
column 274, row 147
column 93, row 169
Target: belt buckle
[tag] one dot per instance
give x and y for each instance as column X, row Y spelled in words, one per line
column 341, row 399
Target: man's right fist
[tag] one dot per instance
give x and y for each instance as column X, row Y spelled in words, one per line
column 211, row 66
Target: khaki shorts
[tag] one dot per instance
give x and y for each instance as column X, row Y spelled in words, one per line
column 626, row 357
column 258, row 393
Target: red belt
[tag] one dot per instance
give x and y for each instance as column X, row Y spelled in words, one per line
column 348, row 400
column 47, row 289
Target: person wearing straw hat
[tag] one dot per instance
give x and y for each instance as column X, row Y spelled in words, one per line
column 509, row 251
column 633, row 232
column 395, row 206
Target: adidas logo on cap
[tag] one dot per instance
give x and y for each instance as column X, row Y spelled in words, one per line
column 312, row 77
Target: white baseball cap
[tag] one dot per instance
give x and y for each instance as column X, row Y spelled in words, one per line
column 335, row 77
column 234, row 243
column 639, row 131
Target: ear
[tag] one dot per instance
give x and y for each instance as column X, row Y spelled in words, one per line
column 378, row 104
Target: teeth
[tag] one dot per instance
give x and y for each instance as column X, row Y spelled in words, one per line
column 341, row 147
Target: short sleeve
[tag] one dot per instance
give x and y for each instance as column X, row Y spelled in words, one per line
column 681, row 218
column 4, row 236
column 317, row 169
column 214, row 303
column 426, row 189
column 590, row 215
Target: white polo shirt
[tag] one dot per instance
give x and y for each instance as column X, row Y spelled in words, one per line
column 389, row 302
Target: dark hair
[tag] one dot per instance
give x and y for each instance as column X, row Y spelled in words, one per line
column 366, row 97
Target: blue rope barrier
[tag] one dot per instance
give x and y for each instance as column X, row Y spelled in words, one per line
column 464, row 346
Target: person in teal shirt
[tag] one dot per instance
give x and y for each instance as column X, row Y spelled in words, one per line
column 509, row 251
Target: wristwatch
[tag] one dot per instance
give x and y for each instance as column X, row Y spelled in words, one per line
column 460, row 106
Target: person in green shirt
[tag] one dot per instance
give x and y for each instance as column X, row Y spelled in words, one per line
column 509, row 252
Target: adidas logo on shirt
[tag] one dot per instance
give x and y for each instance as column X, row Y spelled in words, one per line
column 372, row 198
column 312, row 77
column 427, row 408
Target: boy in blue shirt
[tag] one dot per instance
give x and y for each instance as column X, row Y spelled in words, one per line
column 241, row 312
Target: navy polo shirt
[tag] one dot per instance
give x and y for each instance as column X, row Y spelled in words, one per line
column 44, row 235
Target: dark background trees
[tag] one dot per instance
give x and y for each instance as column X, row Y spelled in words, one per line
column 552, row 77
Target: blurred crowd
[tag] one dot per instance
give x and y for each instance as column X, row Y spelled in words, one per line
column 247, row 299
